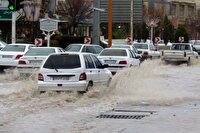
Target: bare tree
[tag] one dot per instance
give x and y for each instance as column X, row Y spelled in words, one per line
column 79, row 11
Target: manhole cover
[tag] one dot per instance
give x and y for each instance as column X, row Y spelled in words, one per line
column 121, row 116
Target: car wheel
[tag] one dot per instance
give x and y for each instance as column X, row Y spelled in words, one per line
column 90, row 86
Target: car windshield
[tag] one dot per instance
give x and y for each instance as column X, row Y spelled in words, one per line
column 39, row 51
column 141, row 46
column 113, row 52
column 14, row 48
column 63, row 61
column 74, row 48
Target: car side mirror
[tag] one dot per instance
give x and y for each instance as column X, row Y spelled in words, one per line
column 194, row 49
column 104, row 65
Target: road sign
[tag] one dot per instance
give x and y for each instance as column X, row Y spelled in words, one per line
column 181, row 39
column 157, row 39
column 87, row 40
column 5, row 15
column 129, row 40
column 48, row 24
column 38, row 42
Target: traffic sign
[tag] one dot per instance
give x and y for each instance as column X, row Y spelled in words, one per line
column 129, row 40
column 5, row 15
column 157, row 39
column 48, row 24
column 87, row 40
column 181, row 39
column 38, row 42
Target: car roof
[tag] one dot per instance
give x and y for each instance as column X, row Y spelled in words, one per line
column 21, row 44
column 82, row 44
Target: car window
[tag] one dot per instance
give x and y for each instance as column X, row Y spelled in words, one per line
column 39, row 51
column 140, row 46
column 113, row 52
column 97, row 62
column 73, row 48
column 98, row 49
column 88, row 61
column 63, row 61
column 14, row 48
column 152, row 48
column 89, row 49
column 132, row 54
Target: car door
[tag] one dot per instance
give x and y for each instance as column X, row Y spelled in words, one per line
column 102, row 73
column 91, row 71
column 134, row 60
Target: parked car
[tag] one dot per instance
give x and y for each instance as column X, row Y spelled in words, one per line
column 2, row 44
column 72, row 71
column 33, row 58
column 118, row 58
column 10, row 54
column 88, row 48
column 147, row 50
column 196, row 45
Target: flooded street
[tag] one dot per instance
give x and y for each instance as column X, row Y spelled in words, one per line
column 153, row 86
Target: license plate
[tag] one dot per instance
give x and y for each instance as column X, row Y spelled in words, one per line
column 7, row 56
column 35, row 61
column 60, row 78
column 110, row 61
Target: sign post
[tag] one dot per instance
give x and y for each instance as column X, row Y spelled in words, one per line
column 48, row 25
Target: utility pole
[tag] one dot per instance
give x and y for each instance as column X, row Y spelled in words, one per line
column 96, row 26
column 13, row 27
column 131, row 23
column 109, row 23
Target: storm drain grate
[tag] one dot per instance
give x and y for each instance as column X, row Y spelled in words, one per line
column 122, row 116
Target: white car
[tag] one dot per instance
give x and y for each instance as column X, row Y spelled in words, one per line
column 10, row 54
column 33, row 58
column 88, row 48
column 71, row 71
column 147, row 50
column 118, row 58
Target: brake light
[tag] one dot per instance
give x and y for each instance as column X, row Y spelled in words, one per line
column 40, row 77
column 123, row 62
column 184, row 54
column 21, row 62
column 83, row 76
column 145, row 53
column 18, row 56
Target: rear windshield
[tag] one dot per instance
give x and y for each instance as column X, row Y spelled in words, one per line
column 141, row 46
column 122, row 46
column 39, row 51
column 74, row 48
column 14, row 48
column 113, row 52
column 63, row 62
